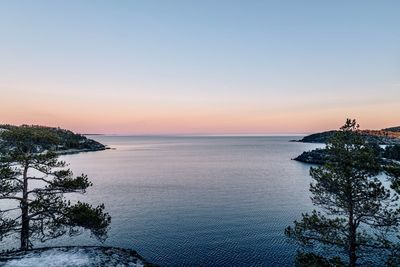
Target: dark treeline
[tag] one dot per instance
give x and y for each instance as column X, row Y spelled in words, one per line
column 64, row 139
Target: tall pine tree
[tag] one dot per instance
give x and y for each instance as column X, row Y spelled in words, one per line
column 32, row 186
column 357, row 214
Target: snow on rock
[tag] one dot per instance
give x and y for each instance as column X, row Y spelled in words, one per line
column 73, row 257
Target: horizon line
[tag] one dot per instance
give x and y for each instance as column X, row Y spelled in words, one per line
column 199, row 134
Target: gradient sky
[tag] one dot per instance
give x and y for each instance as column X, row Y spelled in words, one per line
column 137, row 67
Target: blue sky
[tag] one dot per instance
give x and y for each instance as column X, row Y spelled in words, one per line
column 201, row 66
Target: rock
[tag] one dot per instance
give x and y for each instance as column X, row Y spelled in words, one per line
column 380, row 137
column 317, row 156
column 393, row 129
column 320, row 156
column 74, row 257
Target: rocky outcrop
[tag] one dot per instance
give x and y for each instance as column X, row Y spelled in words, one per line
column 90, row 256
column 320, row 156
column 317, row 156
column 318, row 137
column 393, row 129
column 380, row 137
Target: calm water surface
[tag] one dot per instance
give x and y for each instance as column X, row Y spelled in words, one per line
column 199, row 201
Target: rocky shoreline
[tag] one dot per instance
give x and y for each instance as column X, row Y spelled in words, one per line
column 316, row 156
column 320, row 156
column 74, row 256
column 380, row 137
column 75, row 151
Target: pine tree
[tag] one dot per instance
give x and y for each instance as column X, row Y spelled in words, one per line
column 357, row 214
column 33, row 182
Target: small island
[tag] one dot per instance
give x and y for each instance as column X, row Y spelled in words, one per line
column 388, row 137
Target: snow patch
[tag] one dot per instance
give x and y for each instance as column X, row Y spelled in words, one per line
column 51, row 258
column 73, row 257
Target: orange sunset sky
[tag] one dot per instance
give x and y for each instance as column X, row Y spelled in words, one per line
column 232, row 67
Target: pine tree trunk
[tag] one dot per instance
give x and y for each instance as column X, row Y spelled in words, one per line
column 24, row 212
column 352, row 251
column 352, row 239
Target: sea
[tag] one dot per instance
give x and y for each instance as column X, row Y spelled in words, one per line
column 197, row 200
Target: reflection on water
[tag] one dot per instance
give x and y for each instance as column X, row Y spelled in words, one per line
column 198, row 201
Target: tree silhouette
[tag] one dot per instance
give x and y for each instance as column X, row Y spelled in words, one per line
column 357, row 214
column 32, row 186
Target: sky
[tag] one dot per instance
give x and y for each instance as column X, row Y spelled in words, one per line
column 200, row 67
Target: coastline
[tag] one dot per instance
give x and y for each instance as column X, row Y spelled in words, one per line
column 76, row 151
column 75, row 256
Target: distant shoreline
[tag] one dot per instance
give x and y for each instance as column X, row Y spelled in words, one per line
column 205, row 135
column 76, row 151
